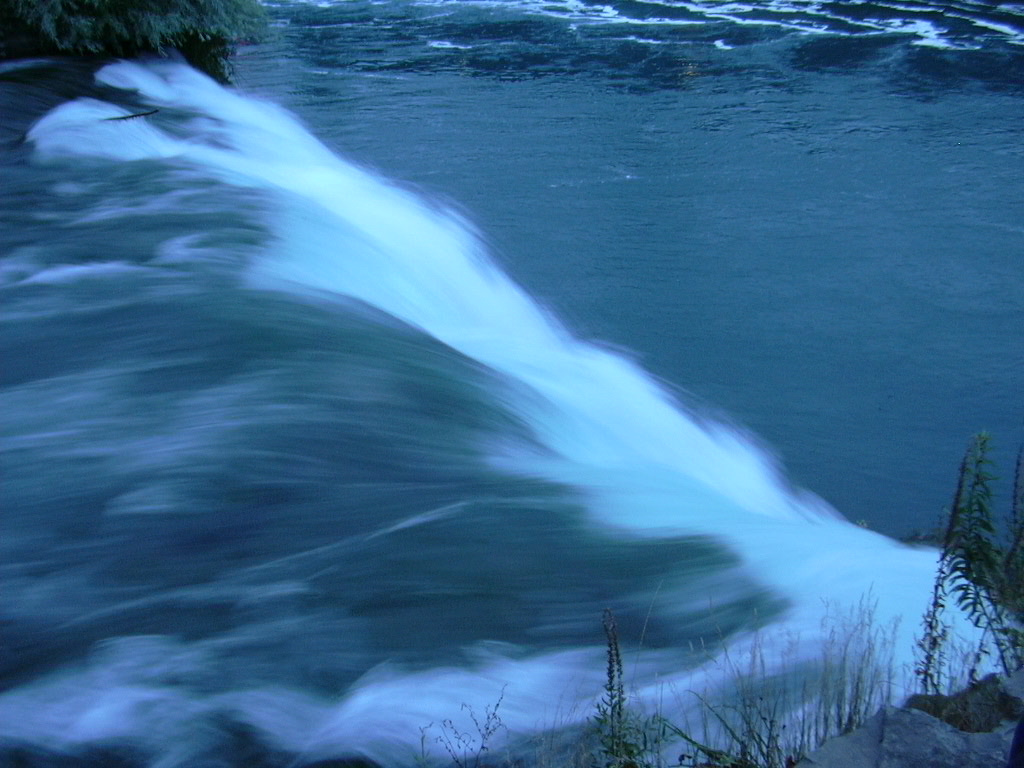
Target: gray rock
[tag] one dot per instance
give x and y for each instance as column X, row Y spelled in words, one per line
column 1014, row 684
column 909, row 738
column 859, row 749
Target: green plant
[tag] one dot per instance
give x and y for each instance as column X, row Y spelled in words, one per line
column 981, row 568
column 202, row 30
column 625, row 740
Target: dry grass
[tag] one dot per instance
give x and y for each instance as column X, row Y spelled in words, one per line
column 777, row 703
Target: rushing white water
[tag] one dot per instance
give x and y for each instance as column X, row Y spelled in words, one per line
column 343, row 231
column 809, row 17
column 646, row 466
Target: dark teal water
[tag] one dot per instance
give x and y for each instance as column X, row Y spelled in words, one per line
column 297, row 461
column 818, row 236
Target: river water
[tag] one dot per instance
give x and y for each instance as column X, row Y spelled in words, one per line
column 804, row 217
column 352, row 395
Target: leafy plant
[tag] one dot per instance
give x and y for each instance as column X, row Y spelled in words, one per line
column 981, row 569
column 202, row 30
column 624, row 739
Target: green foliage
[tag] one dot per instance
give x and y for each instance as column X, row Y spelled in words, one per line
column 931, row 647
column 201, row 29
column 981, row 568
column 624, row 738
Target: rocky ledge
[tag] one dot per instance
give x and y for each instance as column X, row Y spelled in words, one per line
column 974, row 729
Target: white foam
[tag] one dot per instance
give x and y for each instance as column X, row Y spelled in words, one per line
column 1013, row 34
column 447, row 45
column 646, row 466
column 65, row 129
column 71, row 273
column 802, row 16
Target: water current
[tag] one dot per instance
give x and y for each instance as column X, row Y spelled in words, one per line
column 344, row 401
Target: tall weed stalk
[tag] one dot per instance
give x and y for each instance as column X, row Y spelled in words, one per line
column 625, row 739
